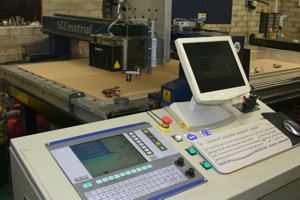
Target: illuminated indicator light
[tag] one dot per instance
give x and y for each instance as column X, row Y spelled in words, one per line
column 99, row 181
column 158, row 143
column 111, row 178
column 146, row 131
column 144, row 167
column 133, row 171
column 87, row 185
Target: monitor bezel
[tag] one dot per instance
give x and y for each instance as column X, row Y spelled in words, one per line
column 212, row 97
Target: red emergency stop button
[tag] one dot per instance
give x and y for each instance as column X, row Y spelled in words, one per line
column 166, row 121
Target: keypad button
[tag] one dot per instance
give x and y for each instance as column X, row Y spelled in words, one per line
column 122, row 174
column 94, row 192
column 117, row 176
column 105, row 180
column 87, row 185
column 137, row 186
column 88, row 194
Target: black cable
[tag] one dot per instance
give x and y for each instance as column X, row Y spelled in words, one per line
column 158, row 122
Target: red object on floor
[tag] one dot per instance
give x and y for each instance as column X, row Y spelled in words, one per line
column 14, row 127
column 42, row 124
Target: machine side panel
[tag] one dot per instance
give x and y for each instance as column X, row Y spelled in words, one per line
column 160, row 12
column 23, row 187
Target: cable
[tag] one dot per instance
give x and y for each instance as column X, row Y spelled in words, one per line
column 113, row 23
column 116, row 19
column 251, row 25
column 158, row 122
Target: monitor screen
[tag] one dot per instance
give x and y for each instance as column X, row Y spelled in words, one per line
column 107, row 155
column 212, row 68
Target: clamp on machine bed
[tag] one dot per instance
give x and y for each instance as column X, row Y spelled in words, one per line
column 74, row 95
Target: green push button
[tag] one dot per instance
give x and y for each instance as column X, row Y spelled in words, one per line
column 192, row 151
column 87, row 185
column 206, row 165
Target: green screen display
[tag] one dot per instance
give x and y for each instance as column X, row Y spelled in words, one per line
column 107, row 155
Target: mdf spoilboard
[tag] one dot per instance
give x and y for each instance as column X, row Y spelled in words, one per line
column 271, row 66
column 78, row 75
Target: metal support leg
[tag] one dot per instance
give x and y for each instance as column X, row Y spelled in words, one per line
column 28, row 115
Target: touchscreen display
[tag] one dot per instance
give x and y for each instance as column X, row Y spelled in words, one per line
column 213, row 65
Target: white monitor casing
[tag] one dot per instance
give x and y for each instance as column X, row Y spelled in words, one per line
column 212, row 97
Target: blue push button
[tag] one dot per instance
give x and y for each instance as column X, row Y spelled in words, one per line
column 87, row 185
column 191, row 136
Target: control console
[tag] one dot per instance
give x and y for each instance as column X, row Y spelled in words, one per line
column 129, row 162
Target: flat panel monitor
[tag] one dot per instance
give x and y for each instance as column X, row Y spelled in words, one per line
column 213, row 69
column 215, row 75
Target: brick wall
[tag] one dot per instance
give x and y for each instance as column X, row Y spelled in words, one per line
column 291, row 25
column 89, row 8
column 12, row 38
column 244, row 22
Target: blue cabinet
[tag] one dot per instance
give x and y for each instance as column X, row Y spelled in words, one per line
column 208, row 11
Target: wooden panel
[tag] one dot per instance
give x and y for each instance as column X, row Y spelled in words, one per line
column 78, row 75
column 267, row 66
